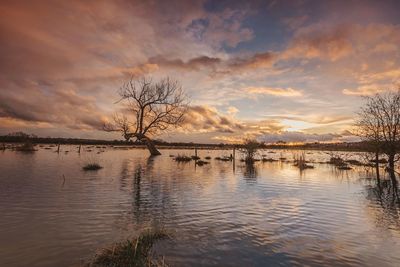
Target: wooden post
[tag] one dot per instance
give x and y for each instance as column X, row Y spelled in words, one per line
column 195, row 151
column 79, row 150
column 233, row 153
column 58, row 148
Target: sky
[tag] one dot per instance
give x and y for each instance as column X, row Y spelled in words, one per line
column 290, row 70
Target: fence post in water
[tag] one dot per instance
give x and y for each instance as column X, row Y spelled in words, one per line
column 58, row 148
column 79, row 151
column 195, row 151
column 233, row 157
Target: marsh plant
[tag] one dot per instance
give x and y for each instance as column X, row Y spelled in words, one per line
column 92, row 167
column 134, row 252
column 182, row 158
column 301, row 162
column 26, row 147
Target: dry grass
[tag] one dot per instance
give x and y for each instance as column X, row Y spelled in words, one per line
column 131, row 253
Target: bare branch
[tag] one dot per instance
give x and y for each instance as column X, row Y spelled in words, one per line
column 155, row 107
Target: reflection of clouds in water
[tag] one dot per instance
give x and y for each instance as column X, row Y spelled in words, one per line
column 265, row 214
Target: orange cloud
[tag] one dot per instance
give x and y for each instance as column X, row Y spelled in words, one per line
column 288, row 92
column 319, row 42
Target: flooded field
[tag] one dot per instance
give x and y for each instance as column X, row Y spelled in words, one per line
column 55, row 214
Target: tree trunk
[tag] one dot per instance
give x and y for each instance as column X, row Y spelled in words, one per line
column 377, row 169
column 391, row 169
column 151, row 147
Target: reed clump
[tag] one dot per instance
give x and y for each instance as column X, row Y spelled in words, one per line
column 301, row 162
column 340, row 163
column 201, row 162
column 132, row 252
column 224, row 158
column 92, row 167
column 26, row 147
column 182, row 158
column 268, row 160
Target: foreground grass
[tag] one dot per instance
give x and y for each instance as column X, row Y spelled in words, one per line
column 131, row 253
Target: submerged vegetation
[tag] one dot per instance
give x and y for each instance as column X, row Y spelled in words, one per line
column 92, row 167
column 201, row 162
column 224, row 158
column 301, row 162
column 26, row 147
column 131, row 253
column 182, row 158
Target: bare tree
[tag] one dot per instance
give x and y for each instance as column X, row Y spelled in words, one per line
column 153, row 107
column 250, row 148
column 379, row 125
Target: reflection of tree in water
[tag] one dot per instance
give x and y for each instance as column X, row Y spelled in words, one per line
column 250, row 172
column 384, row 197
column 151, row 200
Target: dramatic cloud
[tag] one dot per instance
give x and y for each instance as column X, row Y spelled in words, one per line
column 278, row 69
column 206, row 119
column 65, row 107
column 318, row 42
column 191, row 64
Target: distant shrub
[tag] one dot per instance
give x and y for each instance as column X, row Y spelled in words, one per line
column 26, row 147
column 250, row 148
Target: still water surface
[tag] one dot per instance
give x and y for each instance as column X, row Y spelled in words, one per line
column 219, row 214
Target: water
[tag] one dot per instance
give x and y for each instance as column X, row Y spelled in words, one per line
column 219, row 214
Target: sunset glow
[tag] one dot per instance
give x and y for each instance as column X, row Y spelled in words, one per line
column 272, row 70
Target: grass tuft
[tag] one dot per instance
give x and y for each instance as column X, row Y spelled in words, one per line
column 269, row 160
column 92, row 167
column 201, row 162
column 301, row 162
column 131, row 253
column 183, row 158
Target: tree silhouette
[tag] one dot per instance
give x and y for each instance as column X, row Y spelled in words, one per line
column 379, row 125
column 154, row 107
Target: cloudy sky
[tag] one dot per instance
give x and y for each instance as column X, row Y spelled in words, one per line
column 292, row 70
